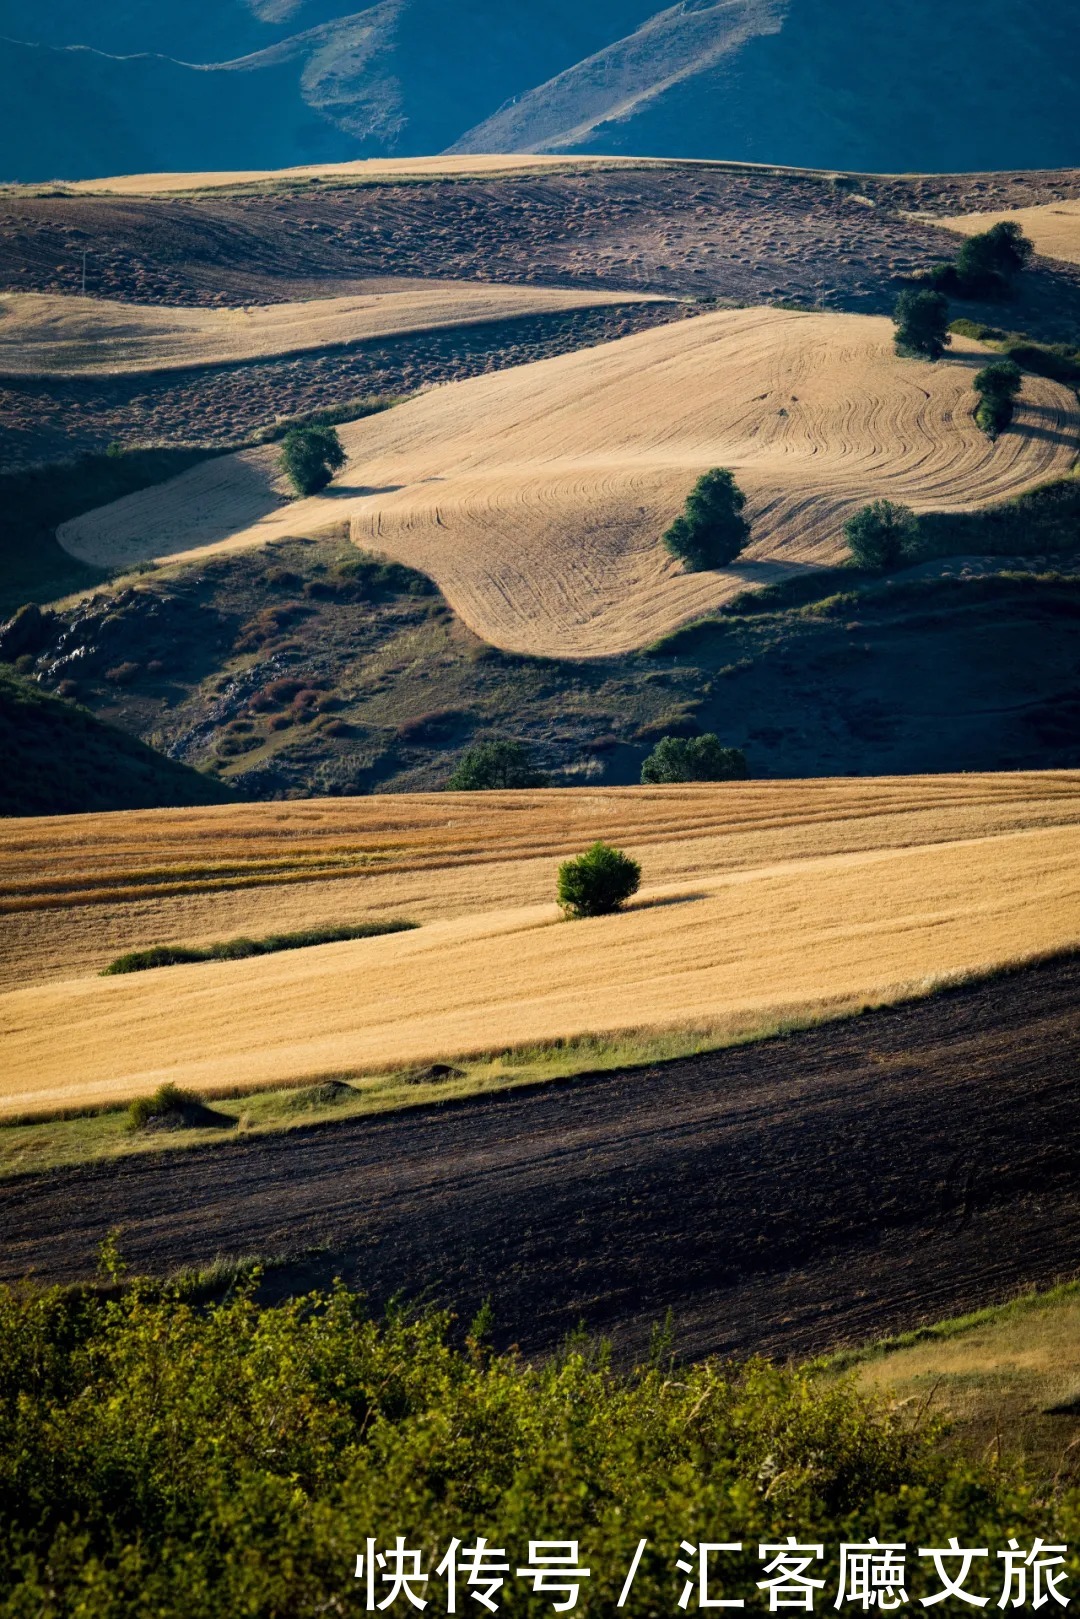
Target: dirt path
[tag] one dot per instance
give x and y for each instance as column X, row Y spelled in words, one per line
column 821, row 1189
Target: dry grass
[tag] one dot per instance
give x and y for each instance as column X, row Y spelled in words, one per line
column 536, row 497
column 999, row 1380
column 454, row 167
column 1054, row 227
column 761, row 901
column 49, row 334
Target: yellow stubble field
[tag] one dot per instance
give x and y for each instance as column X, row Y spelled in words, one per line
column 1054, row 227
column 54, row 334
column 760, row 902
column 536, row 497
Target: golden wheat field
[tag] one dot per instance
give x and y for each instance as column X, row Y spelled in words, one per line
column 446, row 166
column 51, row 334
column 536, row 497
column 759, row 901
column 1054, row 227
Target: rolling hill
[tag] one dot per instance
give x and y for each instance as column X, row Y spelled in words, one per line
column 99, row 89
column 536, row 497
column 761, row 902
column 60, row 760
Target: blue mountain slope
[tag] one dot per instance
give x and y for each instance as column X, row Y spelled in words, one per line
column 92, row 87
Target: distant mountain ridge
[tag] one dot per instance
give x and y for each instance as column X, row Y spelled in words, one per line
column 93, row 87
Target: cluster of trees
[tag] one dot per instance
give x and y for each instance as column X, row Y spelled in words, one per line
column 987, row 265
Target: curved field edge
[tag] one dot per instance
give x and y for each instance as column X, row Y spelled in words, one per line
column 536, row 497
column 62, row 335
column 37, row 1144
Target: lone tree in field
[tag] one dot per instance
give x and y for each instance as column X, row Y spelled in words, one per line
column 310, row 456
column 711, row 531
column 883, row 534
column 494, row 765
column 698, row 758
column 598, row 882
column 997, row 386
column 922, row 324
column 990, row 262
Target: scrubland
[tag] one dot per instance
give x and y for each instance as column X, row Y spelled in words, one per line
column 761, row 901
column 536, row 497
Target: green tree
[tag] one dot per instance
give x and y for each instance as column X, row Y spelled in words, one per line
column 711, row 530
column 997, row 386
column 922, row 324
column 882, row 534
column 991, row 261
column 598, row 882
column 310, row 456
column 698, row 758
column 494, row 765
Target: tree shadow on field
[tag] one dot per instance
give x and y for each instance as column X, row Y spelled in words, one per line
column 338, row 491
column 671, row 899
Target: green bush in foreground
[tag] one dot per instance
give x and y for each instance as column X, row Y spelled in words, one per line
column 310, row 456
column 160, row 1456
column 697, row 758
column 883, row 535
column 178, row 955
column 598, row 882
column 711, row 531
column 492, row 766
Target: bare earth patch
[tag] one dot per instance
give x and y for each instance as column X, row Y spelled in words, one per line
column 536, row 498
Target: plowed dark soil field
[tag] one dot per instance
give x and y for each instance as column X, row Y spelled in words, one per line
column 786, row 1197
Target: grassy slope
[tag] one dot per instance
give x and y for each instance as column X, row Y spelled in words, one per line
column 1004, row 1381
column 60, row 760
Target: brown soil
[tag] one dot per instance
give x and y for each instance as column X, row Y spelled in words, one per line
column 816, row 1190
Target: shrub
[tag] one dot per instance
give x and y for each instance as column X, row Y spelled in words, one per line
column 168, row 1103
column 310, row 456
column 598, row 882
column 167, row 1453
column 711, row 531
column 997, row 385
column 699, row 758
column 922, row 324
column 491, row 766
column 987, row 263
column 169, row 955
column 882, row 535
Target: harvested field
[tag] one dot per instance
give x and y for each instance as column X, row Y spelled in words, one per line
column 450, row 167
column 823, row 1189
column 1054, row 227
column 536, row 498
column 51, row 335
column 761, row 903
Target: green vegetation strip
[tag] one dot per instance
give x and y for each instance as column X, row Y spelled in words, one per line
column 165, row 1453
column 173, row 955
